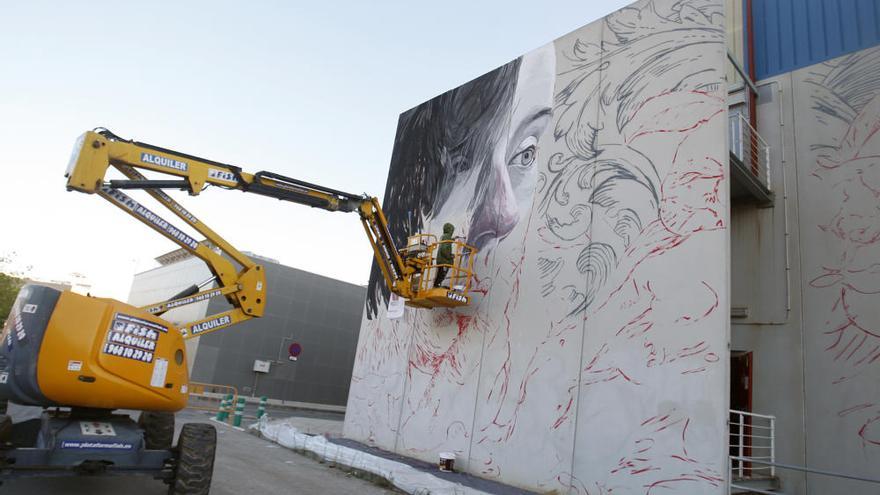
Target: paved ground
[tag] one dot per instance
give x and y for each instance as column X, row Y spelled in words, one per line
column 245, row 464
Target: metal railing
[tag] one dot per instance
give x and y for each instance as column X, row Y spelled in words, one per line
column 749, row 147
column 752, row 439
column 753, row 454
column 459, row 273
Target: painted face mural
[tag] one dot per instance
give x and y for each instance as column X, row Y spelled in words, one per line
column 489, row 196
column 470, row 158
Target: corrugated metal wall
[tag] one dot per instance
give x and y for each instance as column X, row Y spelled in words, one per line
column 321, row 313
column 790, row 34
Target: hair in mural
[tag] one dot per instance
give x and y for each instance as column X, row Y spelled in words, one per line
column 437, row 142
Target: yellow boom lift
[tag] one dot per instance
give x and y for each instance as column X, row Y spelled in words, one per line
column 92, row 355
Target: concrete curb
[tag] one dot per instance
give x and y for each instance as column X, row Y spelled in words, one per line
column 375, row 478
column 383, row 472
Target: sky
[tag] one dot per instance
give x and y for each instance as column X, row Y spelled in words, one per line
column 311, row 90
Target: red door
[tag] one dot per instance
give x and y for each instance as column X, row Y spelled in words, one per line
column 740, row 400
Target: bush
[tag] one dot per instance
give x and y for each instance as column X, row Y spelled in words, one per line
column 9, row 287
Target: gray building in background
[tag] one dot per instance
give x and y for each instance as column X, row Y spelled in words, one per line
column 321, row 314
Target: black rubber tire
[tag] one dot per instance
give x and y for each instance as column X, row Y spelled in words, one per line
column 195, row 459
column 5, row 428
column 158, row 429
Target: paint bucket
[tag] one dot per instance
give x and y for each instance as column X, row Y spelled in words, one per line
column 447, row 462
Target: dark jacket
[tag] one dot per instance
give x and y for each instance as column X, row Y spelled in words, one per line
column 444, row 252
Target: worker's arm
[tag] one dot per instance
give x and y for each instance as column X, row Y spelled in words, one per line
column 244, row 288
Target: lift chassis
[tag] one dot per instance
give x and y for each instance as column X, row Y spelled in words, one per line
column 63, row 443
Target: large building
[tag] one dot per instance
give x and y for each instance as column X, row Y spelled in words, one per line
column 678, row 214
column 317, row 314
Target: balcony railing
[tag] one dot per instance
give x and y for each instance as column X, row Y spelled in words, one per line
column 752, row 461
column 750, row 148
column 752, row 437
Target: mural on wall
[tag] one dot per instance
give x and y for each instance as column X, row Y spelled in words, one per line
column 845, row 101
column 591, row 174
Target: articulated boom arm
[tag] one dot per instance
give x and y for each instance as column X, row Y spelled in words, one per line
column 245, row 287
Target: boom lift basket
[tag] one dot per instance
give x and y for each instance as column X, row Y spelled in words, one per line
column 454, row 289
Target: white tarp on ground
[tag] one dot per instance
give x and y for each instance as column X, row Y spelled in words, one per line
column 402, row 476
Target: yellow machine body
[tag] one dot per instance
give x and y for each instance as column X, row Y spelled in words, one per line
column 119, row 370
column 92, row 353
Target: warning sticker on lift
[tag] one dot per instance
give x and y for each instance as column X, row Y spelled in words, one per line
column 97, row 428
column 133, row 338
column 160, row 369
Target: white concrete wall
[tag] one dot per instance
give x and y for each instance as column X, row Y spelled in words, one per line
column 761, row 283
column 816, row 338
column 837, row 117
column 593, row 359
